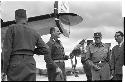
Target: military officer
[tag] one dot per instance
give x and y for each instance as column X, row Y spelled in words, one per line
column 57, row 55
column 117, row 58
column 97, row 56
column 18, row 48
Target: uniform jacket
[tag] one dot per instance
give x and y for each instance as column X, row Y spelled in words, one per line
column 96, row 54
column 56, row 50
column 57, row 53
column 20, row 37
column 117, row 59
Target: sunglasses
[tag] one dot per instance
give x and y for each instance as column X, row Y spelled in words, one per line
column 117, row 35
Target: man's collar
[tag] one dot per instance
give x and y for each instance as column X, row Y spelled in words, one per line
column 100, row 45
column 121, row 43
column 53, row 40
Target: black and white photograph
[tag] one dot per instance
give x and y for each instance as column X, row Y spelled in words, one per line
column 62, row 40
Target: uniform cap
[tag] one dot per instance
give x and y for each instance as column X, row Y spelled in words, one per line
column 108, row 44
column 97, row 34
column 20, row 13
column 89, row 41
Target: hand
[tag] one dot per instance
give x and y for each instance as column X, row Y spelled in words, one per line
column 66, row 57
column 96, row 67
column 58, row 70
column 111, row 77
column 112, row 73
column 3, row 76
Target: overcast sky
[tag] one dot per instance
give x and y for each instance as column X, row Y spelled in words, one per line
column 98, row 16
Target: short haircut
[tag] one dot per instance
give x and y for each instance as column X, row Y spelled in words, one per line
column 52, row 29
column 121, row 33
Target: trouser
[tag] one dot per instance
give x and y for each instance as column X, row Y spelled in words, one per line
column 102, row 74
column 87, row 71
column 117, row 77
column 22, row 67
column 52, row 72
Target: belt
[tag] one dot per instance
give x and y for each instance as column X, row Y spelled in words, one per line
column 27, row 52
column 58, row 60
column 100, row 62
column 21, row 55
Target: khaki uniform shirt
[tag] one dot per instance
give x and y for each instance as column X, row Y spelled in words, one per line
column 96, row 54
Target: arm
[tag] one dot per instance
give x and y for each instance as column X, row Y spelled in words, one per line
column 112, row 62
column 88, row 59
column 81, row 43
column 76, row 51
column 83, row 55
column 108, row 56
column 7, row 49
column 45, row 50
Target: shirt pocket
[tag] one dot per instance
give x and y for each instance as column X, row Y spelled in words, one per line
column 57, row 49
column 105, row 51
column 93, row 50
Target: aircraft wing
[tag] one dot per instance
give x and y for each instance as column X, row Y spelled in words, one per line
column 41, row 24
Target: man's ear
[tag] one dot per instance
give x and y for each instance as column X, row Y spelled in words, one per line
column 53, row 33
column 101, row 38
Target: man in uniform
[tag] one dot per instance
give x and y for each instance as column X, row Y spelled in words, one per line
column 19, row 48
column 86, row 67
column 57, row 55
column 117, row 58
column 97, row 56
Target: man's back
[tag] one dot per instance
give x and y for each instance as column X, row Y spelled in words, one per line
column 19, row 48
column 23, row 37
